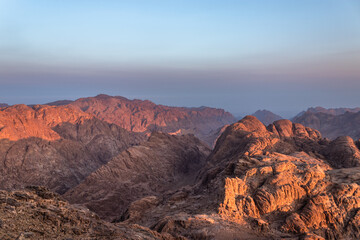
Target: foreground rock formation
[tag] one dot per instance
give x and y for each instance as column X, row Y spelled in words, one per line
column 145, row 116
column 280, row 181
column 333, row 123
column 36, row 213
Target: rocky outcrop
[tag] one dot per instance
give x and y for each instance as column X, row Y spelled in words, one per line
column 343, row 153
column 145, row 116
column 282, row 178
column 332, row 125
column 266, row 117
column 36, row 213
column 280, row 181
column 161, row 164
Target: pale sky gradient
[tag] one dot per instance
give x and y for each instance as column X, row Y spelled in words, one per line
column 280, row 55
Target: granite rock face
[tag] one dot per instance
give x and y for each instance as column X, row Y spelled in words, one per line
column 286, row 178
column 283, row 181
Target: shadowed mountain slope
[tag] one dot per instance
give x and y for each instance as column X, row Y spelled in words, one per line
column 161, row 164
column 55, row 146
column 266, row 117
column 332, row 126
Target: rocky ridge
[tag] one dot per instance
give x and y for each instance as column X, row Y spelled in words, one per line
column 333, row 111
column 21, row 121
column 332, row 125
column 145, row 116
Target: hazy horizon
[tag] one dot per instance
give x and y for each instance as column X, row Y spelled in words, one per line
column 241, row 56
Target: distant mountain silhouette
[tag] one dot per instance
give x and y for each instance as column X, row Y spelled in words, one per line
column 59, row 103
column 331, row 111
column 332, row 123
column 266, row 117
column 3, row 105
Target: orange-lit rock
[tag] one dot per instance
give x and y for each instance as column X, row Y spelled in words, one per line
column 20, row 121
column 145, row 116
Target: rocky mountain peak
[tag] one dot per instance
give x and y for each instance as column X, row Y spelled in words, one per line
column 266, row 117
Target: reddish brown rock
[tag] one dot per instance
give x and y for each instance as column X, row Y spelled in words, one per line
column 20, row 121
column 36, row 213
column 343, row 152
column 145, row 116
column 64, row 163
column 161, row 164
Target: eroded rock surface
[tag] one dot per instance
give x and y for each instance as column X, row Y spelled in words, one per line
column 278, row 182
column 283, row 178
column 37, row 213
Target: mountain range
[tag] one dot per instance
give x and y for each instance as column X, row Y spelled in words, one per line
column 112, row 168
column 332, row 123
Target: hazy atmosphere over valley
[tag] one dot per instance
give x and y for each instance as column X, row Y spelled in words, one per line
column 168, row 120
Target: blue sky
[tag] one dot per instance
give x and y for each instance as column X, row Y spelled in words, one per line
column 239, row 55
